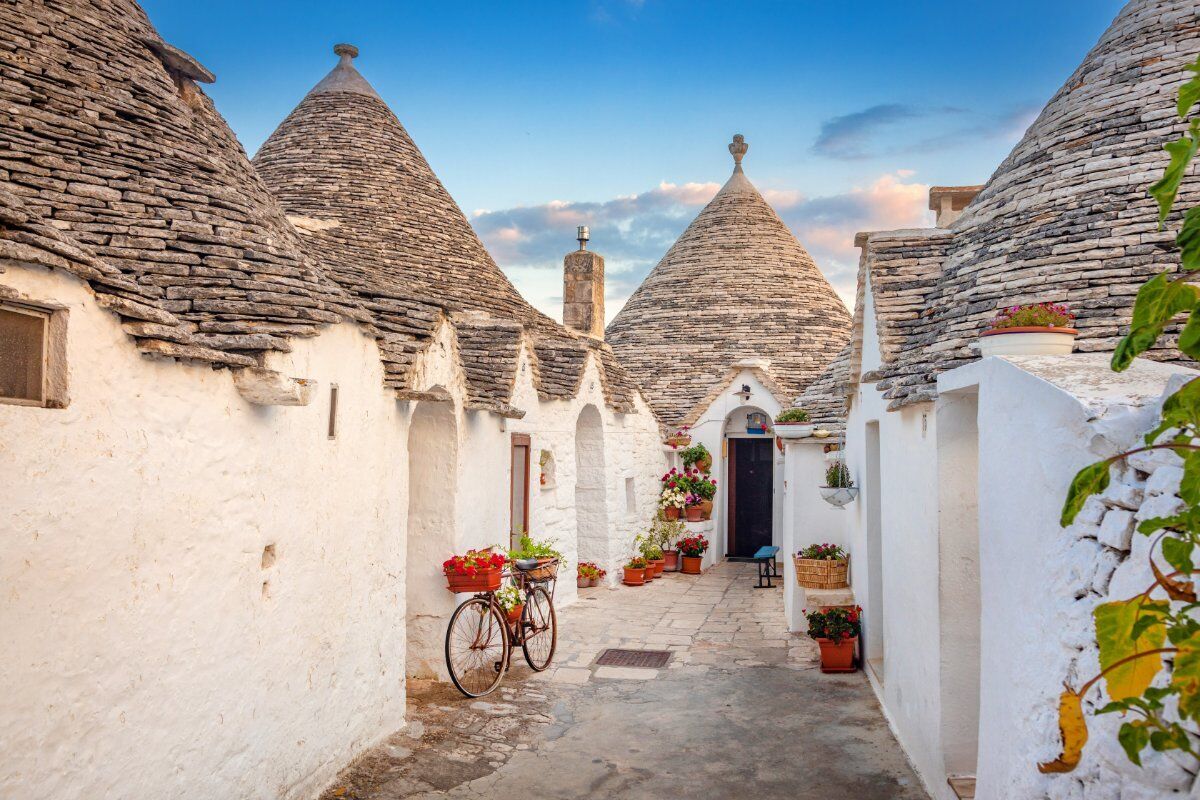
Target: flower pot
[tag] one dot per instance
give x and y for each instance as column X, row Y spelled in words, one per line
column 485, row 580
column 514, row 614
column 705, row 509
column 658, row 564
column 671, row 512
column 838, row 495
column 794, row 430
column 634, row 577
column 670, row 560
column 694, row 514
column 703, row 464
column 691, row 564
column 649, row 576
column 582, row 582
column 679, row 441
column 821, row 573
column 1028, row 341
column 592, row 582
column 837, row 656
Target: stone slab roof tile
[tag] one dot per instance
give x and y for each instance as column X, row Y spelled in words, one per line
column 122, row 168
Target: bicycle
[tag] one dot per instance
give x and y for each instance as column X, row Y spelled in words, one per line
column 480, row 640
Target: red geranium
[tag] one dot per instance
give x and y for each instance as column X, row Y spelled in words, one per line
column 474, row 562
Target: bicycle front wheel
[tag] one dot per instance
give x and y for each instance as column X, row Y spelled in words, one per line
column 540, row 627
column 477, row 647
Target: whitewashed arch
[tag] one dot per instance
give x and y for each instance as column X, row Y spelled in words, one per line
column 591, row 505
column 432, row 485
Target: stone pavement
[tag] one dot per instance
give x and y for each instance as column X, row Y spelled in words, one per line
column 739, row 711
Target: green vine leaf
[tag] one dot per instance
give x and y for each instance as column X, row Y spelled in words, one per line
column 1189, row 240
column 1186, row 676
column 1122, row 633
column 1182, row 150
column 1134, row 737
column 1158, row 301
column 1090, row 480
column 1189, row 93
column 1178, row 553
column 1189, row 485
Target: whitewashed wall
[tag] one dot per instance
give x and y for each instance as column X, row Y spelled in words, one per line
column 1040, row 420
column 146, row 649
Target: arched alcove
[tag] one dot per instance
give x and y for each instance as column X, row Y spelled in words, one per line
column 591, row 508
column 432, row 471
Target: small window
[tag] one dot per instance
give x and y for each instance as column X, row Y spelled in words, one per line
column 333, row 403
column 25, row 335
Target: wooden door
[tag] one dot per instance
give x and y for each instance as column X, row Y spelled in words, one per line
column 750, row 488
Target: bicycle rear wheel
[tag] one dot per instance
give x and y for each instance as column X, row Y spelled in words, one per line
column 477, row 647
column 540, row 627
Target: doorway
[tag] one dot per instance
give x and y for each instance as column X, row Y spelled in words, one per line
column 872, row 638
column 591, row 507
column 750, row 493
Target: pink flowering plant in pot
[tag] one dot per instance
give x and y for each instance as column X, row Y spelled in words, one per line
column 1035, row 329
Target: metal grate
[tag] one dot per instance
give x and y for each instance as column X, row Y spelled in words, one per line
column 651, row 659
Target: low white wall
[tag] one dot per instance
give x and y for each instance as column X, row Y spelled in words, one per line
column 147, row 649
column 807, row 519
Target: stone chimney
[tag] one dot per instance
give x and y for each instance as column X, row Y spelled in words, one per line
column 583, row 289
column 949, row 202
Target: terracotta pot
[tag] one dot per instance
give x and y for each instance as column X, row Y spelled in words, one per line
column 671, row 512
column 634, row 577
column 582, row 582
column 670, row 560
column 658, row 565
column 837, row 656
column 514, row 615
column 593, row 581
column 706, row 509
column 649, row 571
column 694, row 514
column 486, row 580
column 704, row 464
column 691, row 565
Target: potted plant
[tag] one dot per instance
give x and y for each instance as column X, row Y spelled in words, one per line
column 836, row 630
column 693, row 549
column 588, row 574
column 538, row 559
column 692, row 508
column 635, row 571
column 647, row 545
column 510, row 600
column 839, row 489
column 681, row 438
column 673, row 498
column 705, row 488
column 793, row 423
column 822, row 566
column 665, row 533
column 1030, row 330
column 476, row 571
column 697, row 457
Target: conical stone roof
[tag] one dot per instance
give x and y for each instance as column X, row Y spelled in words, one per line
column 355, row 184
column 1065, row 218
column 736, row 285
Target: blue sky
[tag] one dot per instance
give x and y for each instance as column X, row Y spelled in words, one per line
column 616, row 113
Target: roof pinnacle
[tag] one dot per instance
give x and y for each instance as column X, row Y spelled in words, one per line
column 737, row 149
column 346, row 51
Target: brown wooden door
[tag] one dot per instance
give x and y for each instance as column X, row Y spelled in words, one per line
column 750, row 488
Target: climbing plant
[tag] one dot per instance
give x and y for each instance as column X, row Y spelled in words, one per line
column 1137, row 636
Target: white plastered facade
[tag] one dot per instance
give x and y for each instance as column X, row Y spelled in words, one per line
column 169, row 546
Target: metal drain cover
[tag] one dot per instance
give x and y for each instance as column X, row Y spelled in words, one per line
column 651, row 659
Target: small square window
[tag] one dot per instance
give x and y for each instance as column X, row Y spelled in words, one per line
column 23, row 335
column 33, row 369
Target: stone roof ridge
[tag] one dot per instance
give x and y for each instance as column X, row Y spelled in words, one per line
column 344, row 77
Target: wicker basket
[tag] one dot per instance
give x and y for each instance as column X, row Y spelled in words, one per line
column 546, row 569
column 820, row 573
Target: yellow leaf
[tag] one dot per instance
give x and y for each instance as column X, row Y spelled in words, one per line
column 1073, row 729
column 1115, row 625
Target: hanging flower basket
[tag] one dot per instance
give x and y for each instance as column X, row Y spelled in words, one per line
column 822, row 573
column 838, row 495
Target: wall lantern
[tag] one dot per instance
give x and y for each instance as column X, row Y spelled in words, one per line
column 744, row 393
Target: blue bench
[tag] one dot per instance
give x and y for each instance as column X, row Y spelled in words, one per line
column 765, row 558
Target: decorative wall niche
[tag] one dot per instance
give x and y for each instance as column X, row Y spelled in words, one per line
column 548, row 479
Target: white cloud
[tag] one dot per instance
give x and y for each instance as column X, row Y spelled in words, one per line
column 633, row 232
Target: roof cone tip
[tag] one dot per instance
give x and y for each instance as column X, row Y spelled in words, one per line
column 737, row 149
column 345, row 50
